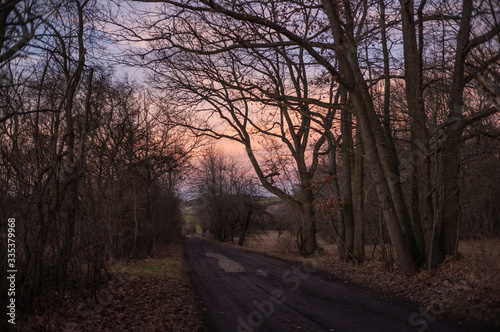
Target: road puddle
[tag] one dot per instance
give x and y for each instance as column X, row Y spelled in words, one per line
column 228, row 265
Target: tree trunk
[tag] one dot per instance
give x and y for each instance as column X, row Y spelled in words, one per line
column 357, row 199
column 136, row 222
column 367, row 121
column 306, row 234
column 310, row 230
column 244, row 227
column 347, row 150
column 451, row 146
column 339, row 229
column 420, row 157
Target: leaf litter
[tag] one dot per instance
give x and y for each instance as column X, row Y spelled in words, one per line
column 151, row 294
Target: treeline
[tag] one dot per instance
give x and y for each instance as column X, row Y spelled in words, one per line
column 396, row 101
column 88, row 167
column 228, row 203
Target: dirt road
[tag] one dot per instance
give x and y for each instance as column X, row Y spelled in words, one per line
column 247, row 291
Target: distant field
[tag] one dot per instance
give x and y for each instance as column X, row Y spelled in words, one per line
column 191, row 218
column 189, row 214
column 269, row 200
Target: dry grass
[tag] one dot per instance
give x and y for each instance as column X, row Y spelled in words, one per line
column 285, row 244
column 484, row 254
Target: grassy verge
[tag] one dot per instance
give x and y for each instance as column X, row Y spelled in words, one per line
column 151, row 294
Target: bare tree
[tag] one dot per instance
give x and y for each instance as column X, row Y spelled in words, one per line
column 227, row 193
column 18, row 23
